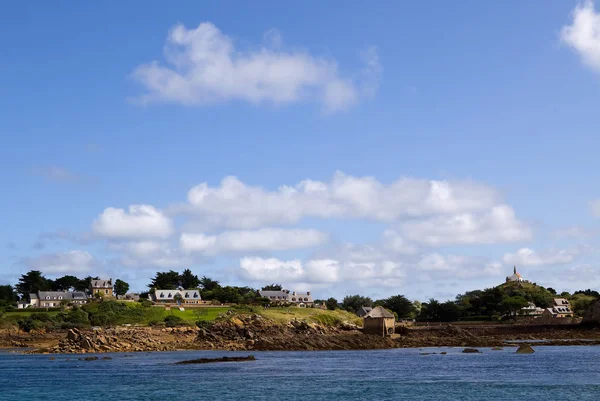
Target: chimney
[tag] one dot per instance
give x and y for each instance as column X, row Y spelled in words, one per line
column 294, row 293
column 307, row 292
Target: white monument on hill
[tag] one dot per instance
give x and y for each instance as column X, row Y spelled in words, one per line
column 515, row 277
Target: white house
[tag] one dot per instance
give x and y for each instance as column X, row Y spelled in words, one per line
column 169, row 296
column 53, row 299
column 285, row 296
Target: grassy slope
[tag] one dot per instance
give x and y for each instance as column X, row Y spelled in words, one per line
column 325, row 317
column 137, row 314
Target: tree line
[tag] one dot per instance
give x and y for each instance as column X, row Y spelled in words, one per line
column 495, row 303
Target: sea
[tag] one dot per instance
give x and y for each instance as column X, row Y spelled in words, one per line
column 551, row 373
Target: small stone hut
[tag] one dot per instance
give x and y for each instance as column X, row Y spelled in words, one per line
column 379, row 321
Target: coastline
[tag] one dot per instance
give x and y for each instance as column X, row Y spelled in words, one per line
column 254, row 334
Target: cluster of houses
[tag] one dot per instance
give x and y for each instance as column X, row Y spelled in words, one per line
column 53, row 299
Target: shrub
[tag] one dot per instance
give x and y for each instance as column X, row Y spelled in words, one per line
column 204, row 324
column 145, row 303
column 173, row 321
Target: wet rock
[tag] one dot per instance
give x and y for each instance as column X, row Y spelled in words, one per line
column 106, row 358
column 525, row 349
column 496, row 348
column 471, row 351
column 223, row 359
column 89, row 358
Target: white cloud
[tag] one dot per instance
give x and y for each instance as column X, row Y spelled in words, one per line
column 149, row 253
column 266, row 239
column 497, row 225
column 141, row 221
column 204, row 66
column 234, row 204
column 595, row 207
column 583, row 35
column 529, row 257
column 71, row 262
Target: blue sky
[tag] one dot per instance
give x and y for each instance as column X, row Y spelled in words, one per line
column 425, row 148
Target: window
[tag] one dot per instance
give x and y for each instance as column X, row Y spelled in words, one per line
column 60, row 297
column 293, row 299
column 106, row 291
column 305, row 299
column 187, row 294
column 162, row 295
column 195, row 295
column 47, row 297
column 170, row 296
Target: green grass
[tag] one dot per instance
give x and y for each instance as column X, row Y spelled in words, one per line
column 26, row 313
column 320, row 316
column 194, row 314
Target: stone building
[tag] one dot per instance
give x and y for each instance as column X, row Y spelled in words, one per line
column 285, row 296
column 379, row 321
column 102, row 287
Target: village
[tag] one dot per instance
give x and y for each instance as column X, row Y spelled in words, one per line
column 382, row 318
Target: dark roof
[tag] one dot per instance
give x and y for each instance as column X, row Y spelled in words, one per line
column 56, row 295
column 363, row 310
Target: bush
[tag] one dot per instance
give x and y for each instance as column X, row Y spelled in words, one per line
column 103, row 319
column 145, row 303
column 204, row 324
column 153, row 323
column 76, row 318
column 174, row 321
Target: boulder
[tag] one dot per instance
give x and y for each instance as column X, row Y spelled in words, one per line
column 525, row 349
column 471, row 351
column 73, row 335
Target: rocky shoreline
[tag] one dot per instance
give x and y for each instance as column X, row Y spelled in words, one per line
column 253, row 332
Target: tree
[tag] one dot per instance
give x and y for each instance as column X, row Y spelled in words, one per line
column 352, row 303
column 8, row 296
column 331, row 304
column 397, row 304
column 32, row 282
column 512, row 305
column 580, row 302
column 121, row 287
column 165, row 280
column 272, row 287
column 588, row 292
column 551, row 290
column 209, row 284
column 449, row 311
column 65, row 283
column 430, row 310
column 85, row 284
column 189, row 280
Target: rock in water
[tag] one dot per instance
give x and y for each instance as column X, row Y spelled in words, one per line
column 497, row 349
column 525, row 349
column 223, row 359
column 471, row 351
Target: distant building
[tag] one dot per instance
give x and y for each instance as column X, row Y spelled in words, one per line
column 364, row 310
column 53, row 299
column 189, row 297
column 102, row 287
column 285, row 296
column 379, row 321
column 531, row 310
column 560, row 311
column 516, row 277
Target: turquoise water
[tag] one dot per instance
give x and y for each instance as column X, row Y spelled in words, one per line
column 552, row 373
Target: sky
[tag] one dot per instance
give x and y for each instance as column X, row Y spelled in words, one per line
column 416, row 148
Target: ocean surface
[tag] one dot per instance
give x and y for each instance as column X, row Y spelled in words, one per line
column 552, row 373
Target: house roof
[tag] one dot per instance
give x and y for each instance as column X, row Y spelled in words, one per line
column 170, row 294
column 379, row 312
column 33, row 295
column 59, row 295
column 561, row 302
column 363, row 310
column 102, row 283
